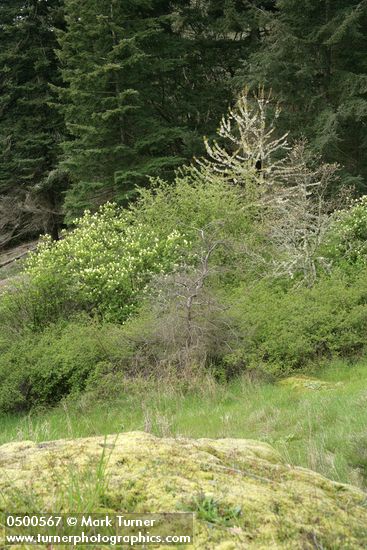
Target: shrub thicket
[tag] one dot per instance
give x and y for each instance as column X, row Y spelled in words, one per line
column 265, row 327
column 105, row 262
column 42, row 370
column 228, row 269
column 283, row 327
column 347, row 239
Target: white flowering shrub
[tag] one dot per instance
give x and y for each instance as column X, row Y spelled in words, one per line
column 106, row 262
column 105, row 265
column 348, row 235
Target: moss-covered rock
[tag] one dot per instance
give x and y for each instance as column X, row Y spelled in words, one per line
column 244, row 494
column 308, row 383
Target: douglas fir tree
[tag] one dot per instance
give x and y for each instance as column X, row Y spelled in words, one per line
column 315, row 61
column 30, row 128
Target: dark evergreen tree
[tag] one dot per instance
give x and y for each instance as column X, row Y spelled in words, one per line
column 315, row 61
column 30, row 129
column 143, row 81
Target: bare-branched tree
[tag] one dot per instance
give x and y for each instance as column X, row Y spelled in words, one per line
column 191, row 326
column 300, row 216
column 280, row 180
column 248, row 145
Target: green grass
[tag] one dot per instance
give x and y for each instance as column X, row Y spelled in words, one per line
column 324, row 430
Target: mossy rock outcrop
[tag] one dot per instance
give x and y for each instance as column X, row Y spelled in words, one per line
column 308, row 383
column 244, row 494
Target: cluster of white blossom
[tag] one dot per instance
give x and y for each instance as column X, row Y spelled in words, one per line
column 107, row 260
column 350, row 232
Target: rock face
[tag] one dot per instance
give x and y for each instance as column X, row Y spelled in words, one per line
column 243, row 493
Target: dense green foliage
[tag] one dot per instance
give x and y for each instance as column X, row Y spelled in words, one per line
column 97, row 97
column 143, row 81
column 285, row 329
column 314, row 59
column 43, row 370
column 236, row 262
column 201, row 274
column 112, row 265
column 274, row 330
column 105, row 262
column 30, row 128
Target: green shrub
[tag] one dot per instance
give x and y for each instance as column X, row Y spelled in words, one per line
column 268, row 327
column 193, row 203
column 282, row 328
column 31, row 304
column 104, row 264
column 41, row 369
column 347, row 239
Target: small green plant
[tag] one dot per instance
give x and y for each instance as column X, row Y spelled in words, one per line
column 214, row 511
column 85, row 490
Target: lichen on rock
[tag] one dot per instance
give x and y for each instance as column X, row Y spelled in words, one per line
column 243, row 493
column 302, row 382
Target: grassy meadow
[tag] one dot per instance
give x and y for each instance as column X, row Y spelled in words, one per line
column 322, row 429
